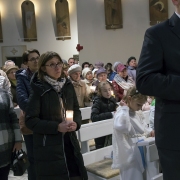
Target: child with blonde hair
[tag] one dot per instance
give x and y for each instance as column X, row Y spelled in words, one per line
column 104, row 106
column 129, row 128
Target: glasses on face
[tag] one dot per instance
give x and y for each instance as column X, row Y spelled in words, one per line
column 33, row 59
column 53, row 65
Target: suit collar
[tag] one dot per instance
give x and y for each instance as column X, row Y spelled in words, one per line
column 174, row 22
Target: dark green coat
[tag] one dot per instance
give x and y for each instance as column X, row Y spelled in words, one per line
column 52, row 150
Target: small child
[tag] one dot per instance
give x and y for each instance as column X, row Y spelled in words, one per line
column 129, row 128
column 104, row 106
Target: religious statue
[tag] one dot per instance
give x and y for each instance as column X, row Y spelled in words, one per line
column 62, row 20
column 113, row 14
column 158, row 11
column 29, row 21
column 1, row 35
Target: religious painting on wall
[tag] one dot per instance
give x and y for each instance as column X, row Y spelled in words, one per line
column 29, row 21
column 158, row 10
column 1, row 34
column 62, row 20
column 113, row 14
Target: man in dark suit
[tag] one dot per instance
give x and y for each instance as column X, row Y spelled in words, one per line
column 158, row 74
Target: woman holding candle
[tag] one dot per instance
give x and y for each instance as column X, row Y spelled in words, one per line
column 56, row 148
column 104, row 106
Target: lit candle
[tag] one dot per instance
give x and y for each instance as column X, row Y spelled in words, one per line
column 112, row 93
column 69, row 116
column 92, row 88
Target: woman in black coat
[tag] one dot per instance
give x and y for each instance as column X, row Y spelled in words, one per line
column 56, row 148
column 104, row 106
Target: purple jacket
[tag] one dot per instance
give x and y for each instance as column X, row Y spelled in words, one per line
column 131, row 72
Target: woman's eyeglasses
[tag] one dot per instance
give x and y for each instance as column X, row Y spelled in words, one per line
column 53, row 65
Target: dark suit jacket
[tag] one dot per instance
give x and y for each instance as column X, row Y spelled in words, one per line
column 158, row 74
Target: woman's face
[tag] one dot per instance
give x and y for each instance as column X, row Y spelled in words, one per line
column 133, row 63
column 102, row 77
column 106, row 91
column 123, row 73
column 76, row 76
column 11, row 74
column 53, row 68
column 33, row 61
column 89, row 76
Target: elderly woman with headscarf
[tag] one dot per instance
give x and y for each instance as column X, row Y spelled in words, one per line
column 74, row 73
column 122, row 82
column 11, row 71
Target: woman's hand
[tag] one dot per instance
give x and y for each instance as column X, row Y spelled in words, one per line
column 122, row 103
column 17, row 146
column 72, row 126
column 152, row 133
column 63, row 127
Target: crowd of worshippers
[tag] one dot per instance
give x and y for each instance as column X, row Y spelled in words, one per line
column 45, row 86
column 83, row 77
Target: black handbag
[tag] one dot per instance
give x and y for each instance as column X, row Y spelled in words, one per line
column 19, row 162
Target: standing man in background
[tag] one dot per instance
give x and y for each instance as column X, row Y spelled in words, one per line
column 158, row 74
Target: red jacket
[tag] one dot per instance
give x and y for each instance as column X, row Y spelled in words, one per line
column 118, row 91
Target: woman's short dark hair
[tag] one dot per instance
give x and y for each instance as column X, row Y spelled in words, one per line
column 83, row 64
column 26, row 54
column 42, row 61
column 129, row 60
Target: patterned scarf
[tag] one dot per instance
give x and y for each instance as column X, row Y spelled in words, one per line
column 122, row 83
column 56, row 84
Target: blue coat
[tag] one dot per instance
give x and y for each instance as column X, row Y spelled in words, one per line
column 23, row 88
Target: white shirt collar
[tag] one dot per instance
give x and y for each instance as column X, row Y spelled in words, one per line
column 177, row 14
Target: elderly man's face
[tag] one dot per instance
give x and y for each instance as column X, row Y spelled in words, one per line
column 71, row 62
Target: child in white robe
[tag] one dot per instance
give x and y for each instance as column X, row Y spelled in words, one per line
column 129, row 128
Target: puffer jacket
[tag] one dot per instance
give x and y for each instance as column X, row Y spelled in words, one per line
column 101, row 110
column 57, row 155
column 23, row 88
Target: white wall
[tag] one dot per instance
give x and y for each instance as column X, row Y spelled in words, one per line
column 45, row 23
column 112, row 45
column 99, row 44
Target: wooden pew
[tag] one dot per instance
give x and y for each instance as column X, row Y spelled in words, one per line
column 98, row 162
column 86, row 113
column 94, row 130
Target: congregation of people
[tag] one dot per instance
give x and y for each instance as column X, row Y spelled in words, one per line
column 46, row 87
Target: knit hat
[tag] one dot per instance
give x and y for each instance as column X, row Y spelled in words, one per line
column 99, row 64
column 94, row 70
column 85, row 71
column 8, row 68
column 100, row 70
column 115, row 66
column 74, row 68
column 120, row 68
